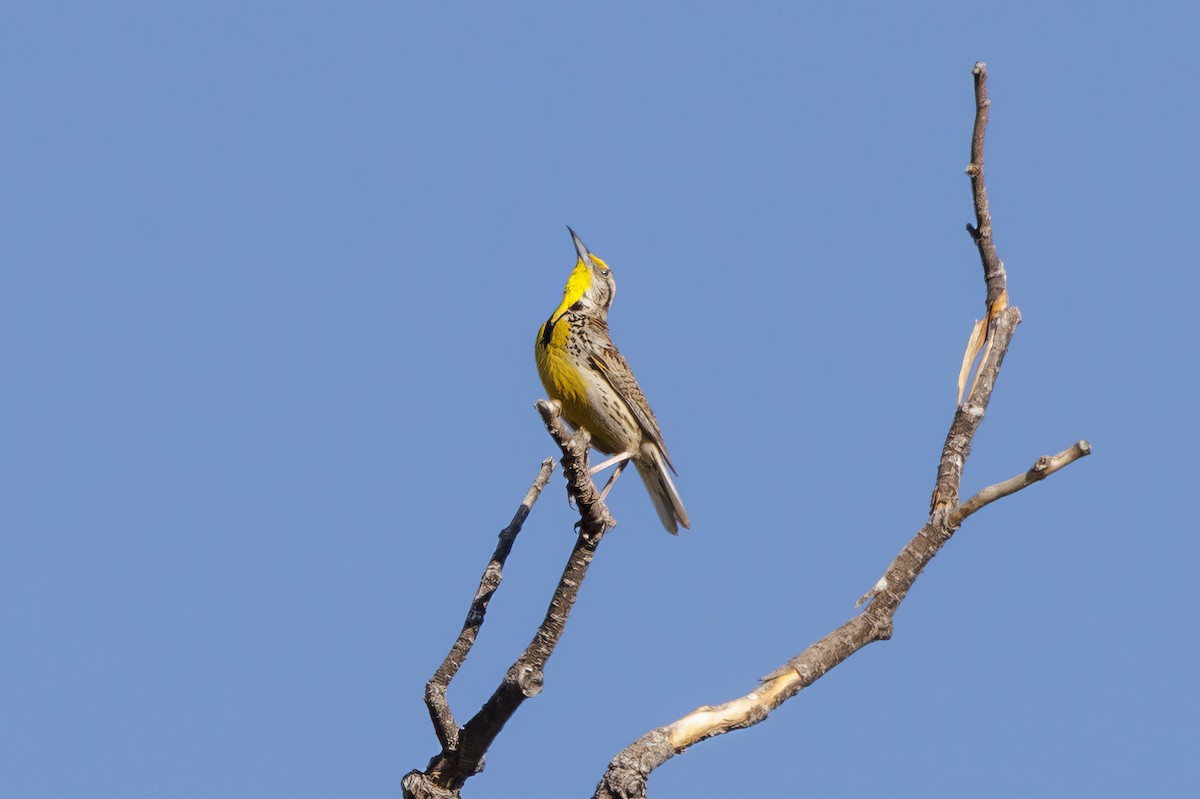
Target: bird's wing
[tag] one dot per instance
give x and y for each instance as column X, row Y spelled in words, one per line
column 611, row 364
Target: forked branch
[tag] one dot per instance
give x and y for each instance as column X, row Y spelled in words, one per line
column 628, row 772
column 435, row 690
column 464, row 748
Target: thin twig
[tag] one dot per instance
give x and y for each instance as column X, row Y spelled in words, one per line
column 968, row 416
column 1043, row 468
column 981, row 231
column 628, row 772
column 435, row 690
column 463, row 751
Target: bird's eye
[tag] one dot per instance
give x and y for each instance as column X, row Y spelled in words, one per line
column 604, row 272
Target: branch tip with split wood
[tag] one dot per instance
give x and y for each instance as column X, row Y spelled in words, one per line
column 995, row 278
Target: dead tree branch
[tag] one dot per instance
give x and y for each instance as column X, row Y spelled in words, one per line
column 1043, row 468
column 996, row 298
column 435, row 690
column 628, row 772
column 464, row 749
column 981, row 231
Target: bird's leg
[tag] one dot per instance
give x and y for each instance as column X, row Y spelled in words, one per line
column 618, row 458
column 616, row 473
column 622, row 460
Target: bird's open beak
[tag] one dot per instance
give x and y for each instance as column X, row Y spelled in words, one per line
column 584, row 255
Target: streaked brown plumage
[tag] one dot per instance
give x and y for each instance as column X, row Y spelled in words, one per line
column 582, row 368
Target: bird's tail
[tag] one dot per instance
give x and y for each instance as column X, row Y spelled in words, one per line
column 654, row 473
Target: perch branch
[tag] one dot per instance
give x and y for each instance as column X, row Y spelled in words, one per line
column 464, row 750
column 628, row 772
column 594, row 519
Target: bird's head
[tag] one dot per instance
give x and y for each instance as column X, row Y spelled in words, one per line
column 590, row 288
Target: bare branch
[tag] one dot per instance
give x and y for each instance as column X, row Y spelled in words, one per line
column 969, row 415
column 981, row 232
column 463, row 750
column 996, row 299
column 1043, row 468
column 627, row 773
column 967, row 419
column 435, row 690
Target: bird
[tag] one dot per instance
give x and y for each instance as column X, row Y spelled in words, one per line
column 583, row 370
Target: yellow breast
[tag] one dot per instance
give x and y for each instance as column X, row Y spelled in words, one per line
column 559, row 371
column 587, row 398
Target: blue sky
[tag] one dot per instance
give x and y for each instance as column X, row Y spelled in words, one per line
column 273, row 274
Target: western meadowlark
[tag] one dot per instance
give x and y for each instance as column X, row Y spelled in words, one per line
column 582, row 369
